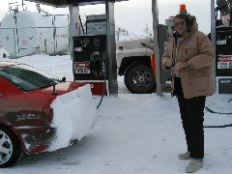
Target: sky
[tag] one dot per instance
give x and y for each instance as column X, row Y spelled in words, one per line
column 136, row 15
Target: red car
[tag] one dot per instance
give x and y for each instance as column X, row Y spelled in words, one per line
column 25, row 112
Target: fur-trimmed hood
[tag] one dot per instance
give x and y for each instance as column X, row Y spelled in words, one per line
column 194, row 25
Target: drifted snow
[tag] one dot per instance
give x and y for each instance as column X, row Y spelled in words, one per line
column 74, row 113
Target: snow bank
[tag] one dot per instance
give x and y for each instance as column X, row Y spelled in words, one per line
column 74, row 113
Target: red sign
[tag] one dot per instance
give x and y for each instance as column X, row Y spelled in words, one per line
column 98, row 87
column 82, row 67
column 224, row 62
column 225, row 58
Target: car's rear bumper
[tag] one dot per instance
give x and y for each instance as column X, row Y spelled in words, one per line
column 36, row 139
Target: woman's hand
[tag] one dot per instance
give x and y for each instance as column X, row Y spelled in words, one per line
column 169, row 63
column 180, row 65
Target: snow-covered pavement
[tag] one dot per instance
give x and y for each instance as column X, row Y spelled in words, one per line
column 133, row 134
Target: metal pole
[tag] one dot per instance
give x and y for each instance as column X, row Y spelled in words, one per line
column 156, row 48
column 73, row 29
column 213, row 39
column 16, row 34
column 54, row 33
column 118, row 34
column 111, row 49
column 231, row 18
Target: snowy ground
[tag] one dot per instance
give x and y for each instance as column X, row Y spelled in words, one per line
column 133, row 134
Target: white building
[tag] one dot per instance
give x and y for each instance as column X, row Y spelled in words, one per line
column 24, row 33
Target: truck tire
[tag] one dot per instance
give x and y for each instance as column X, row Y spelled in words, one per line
column 10, row 148
column 139, row 79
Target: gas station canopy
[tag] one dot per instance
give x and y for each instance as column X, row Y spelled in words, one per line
column 63, row 3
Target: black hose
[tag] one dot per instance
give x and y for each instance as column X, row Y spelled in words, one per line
column 100, row 102
column 82, row 27
column 218, row 126
column 230, row 100
column 215, row 112
column 221, row 113
column 103, row 94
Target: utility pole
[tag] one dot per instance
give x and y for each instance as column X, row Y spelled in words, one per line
column 73, row 30
column 111, row 49
column 156, row 48
column 213, row 39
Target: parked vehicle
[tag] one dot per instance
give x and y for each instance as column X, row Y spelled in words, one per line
column 136, row 61
column 25, row 112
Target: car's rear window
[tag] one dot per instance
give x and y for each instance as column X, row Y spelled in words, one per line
column 26, row 77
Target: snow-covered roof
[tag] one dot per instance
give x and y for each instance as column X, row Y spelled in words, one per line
column 32, row 19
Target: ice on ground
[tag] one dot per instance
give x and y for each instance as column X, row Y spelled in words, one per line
column 74, row 113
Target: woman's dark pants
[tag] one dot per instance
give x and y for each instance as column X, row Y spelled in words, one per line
column 192, row 115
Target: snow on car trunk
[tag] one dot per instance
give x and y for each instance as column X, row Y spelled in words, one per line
column 73, row 116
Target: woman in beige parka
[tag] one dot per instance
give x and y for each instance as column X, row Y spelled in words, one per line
column 189, row 57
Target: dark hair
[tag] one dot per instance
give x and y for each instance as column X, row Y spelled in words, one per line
column 190, row 20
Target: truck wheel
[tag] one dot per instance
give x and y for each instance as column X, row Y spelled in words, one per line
column 139, row 79
column 10, row 148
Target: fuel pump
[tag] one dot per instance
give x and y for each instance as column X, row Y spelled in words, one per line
column 90, row 59
column 94, row 54
column 224, row 47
